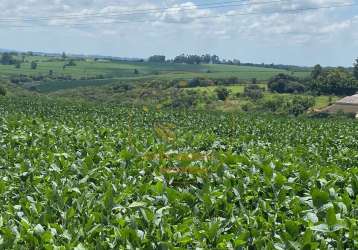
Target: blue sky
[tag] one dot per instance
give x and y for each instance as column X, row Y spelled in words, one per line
column 325, row 36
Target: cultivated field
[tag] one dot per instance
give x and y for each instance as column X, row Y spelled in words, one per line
column 86, row 176
column 107, row 72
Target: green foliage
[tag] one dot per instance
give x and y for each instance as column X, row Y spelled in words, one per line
column 90, row 69
column 222, row 93
column 156, row 59
column 300, row 105
column 254, row 92
column 294, row 105
column 80, row 176
column 316, row 72
column 71, row 63
column 335, row 81
column 2, row 91
column 355, row 69
column 33, row 65
column 7, row 59
column 283, row 83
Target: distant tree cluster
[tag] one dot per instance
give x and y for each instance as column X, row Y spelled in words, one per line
column 196, row 59
column 338, row 81
column 214, row 59
column 331, row 81
column 157, row 59
column 7, row 59
column 283, row 83
column 204, row 82
column 295, row 105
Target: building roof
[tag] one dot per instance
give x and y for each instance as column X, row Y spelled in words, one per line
column 353, row 100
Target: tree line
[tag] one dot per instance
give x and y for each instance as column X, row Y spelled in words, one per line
column 331, row 81
column 186, row 59
column 214, row 59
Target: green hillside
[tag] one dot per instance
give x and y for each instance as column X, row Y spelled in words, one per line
column 51, row 72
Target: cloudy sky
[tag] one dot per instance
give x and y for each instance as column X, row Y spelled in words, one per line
column 258, row 31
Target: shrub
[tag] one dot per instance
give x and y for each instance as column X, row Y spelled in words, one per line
column 283, row 83
column 288, row 105
column 299, row 105
column 254, row 92
column 232, row 80
column 222, row 93
column 33, row 65
column 71, row 63
column 2, row 91
column 195, row 82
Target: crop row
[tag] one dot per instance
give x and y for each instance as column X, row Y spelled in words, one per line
column 85, row 177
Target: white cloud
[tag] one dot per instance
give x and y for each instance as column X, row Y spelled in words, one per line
column 187, row 21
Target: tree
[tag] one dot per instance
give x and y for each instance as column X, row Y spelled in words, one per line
column 33, row 65
column 64, row 56
column 18, row 65
column 136, row 72
column 206, row 58
column 254, row 92
column 299, row 105
column 355, row 69
column 222, row 93
column 283, row 83
column 71, row 63
column 337, row 81
column 156, row 59
column 2, row 91
column 317, row 71
column 7, row 59
column 215, row 59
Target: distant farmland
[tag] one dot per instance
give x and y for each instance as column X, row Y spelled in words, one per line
column 96, row 73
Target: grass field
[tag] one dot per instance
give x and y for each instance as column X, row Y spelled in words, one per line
column 91, row 73
column 126, row 69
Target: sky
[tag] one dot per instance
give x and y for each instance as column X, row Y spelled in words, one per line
column 259, row 31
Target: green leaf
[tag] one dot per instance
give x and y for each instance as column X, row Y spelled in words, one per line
column 319, row 197
column 293, row 228
column 80, row 247
column 321, row 228
column 331, row 217
column 137, row 204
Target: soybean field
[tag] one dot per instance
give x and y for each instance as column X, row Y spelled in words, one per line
column 81, row 176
